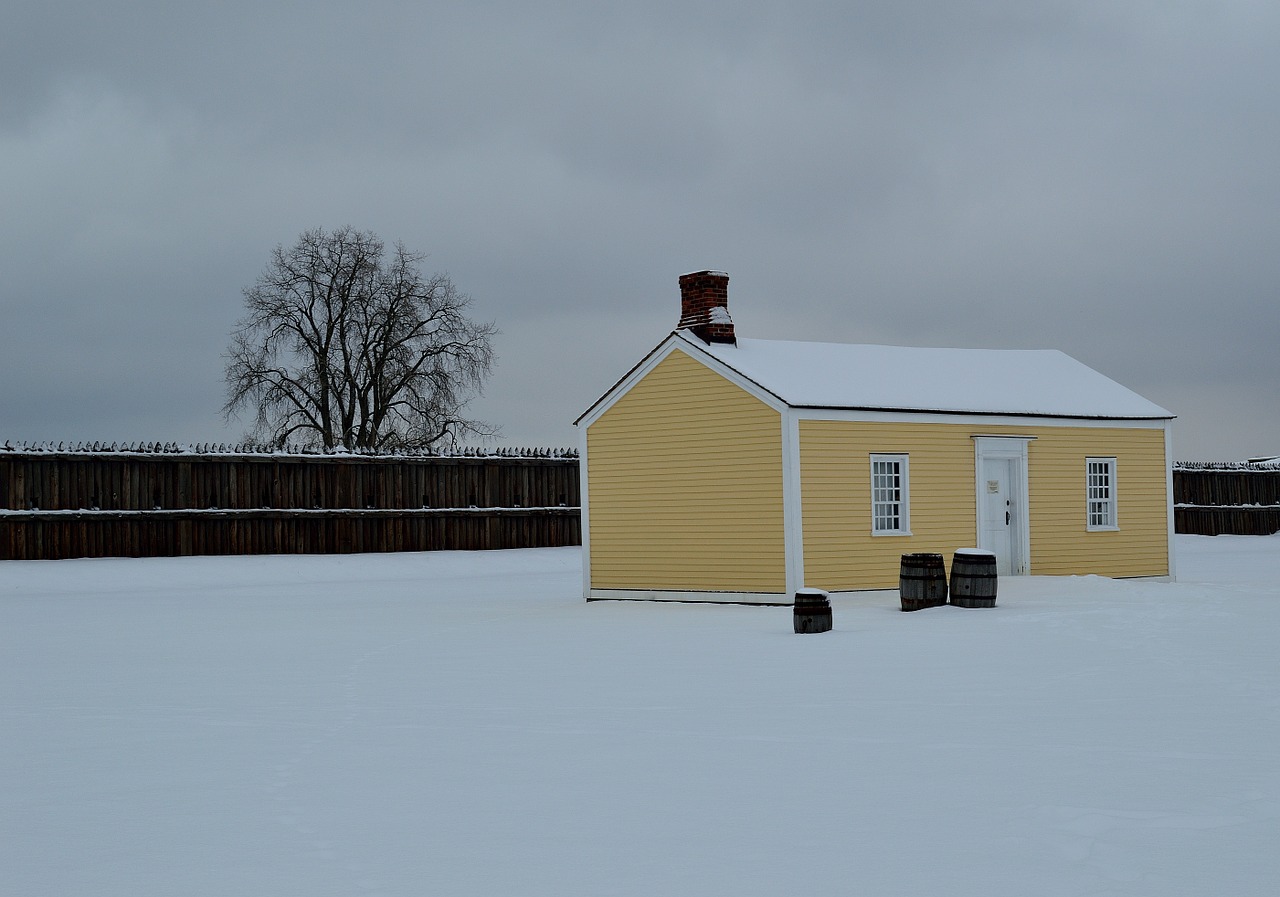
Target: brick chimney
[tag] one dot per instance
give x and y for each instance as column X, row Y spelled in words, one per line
column 704, row 306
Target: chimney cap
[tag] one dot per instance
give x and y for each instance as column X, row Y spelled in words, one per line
column 712, row 273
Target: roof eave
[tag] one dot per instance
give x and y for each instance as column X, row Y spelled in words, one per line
column 687, row 339
column 973, row 413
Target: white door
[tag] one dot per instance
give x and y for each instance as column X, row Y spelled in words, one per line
column 1000, row 513
column 1000, row 476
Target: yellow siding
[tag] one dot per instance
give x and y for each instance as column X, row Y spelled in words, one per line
column 685, row 486
column 1060, row 543
column 840, row 553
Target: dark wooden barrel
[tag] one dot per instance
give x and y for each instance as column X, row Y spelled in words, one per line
column 922, row 581
column 973, row 578
column 812, row 611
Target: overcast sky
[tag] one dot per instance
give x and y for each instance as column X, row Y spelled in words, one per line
column 1097, row 177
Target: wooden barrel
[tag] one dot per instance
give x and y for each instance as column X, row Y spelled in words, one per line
column 923, row 581
column 812, row 611
column 973, row 578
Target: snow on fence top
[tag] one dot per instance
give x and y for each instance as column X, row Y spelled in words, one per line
column 1256, row 464
column 224, row 449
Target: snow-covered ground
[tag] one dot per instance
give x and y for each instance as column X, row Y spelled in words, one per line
column 464, row 724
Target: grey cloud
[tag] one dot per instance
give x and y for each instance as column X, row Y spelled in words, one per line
column 1097, row 177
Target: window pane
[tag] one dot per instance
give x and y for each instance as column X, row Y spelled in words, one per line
column 1100, row 493
column 887, row 498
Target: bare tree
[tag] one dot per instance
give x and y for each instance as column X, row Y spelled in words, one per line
column 339, row 349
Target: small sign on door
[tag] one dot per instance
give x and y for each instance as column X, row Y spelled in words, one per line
column 993, row 486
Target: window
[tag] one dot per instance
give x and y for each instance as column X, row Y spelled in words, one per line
column 1100, row 474
column 889, row 496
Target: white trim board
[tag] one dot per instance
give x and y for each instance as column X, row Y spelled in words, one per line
column 775, row 599
column 792, row 504
column 584, row 519
column 972, row 420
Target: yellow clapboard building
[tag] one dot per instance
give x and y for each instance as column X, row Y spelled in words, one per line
column 733, row 469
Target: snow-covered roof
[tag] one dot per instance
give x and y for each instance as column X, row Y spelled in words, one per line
column 1039, row 382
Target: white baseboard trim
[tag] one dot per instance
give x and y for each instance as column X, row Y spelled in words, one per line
column 764, row 598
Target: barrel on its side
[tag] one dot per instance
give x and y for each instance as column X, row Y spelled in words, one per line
column 812, row 611
column 973, row 578
column 922, row 581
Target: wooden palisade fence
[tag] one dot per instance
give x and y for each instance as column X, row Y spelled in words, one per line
column 1219, row 498
column 162, row 500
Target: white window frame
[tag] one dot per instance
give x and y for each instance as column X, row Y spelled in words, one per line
column 895, row 505
column 1101, row 506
